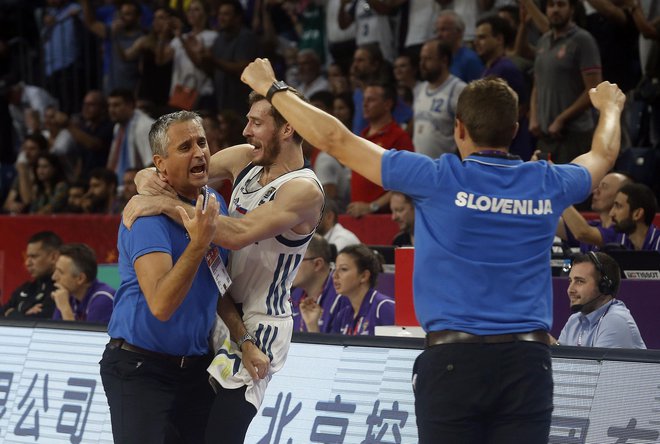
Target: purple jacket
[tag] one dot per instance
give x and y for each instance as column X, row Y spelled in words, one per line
column 95, row 307
column 376, row 309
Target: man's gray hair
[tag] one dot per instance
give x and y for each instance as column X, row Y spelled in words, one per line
column 158, row 139
column 458, row 20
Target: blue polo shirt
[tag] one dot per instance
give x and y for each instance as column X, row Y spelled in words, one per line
column 484, row 229
column 187, row 331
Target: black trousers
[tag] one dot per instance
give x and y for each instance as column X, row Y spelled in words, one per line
column 153, row 401
column 484, row 393
column 230, row 417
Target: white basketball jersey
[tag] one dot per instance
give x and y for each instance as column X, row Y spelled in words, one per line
column 262, row 272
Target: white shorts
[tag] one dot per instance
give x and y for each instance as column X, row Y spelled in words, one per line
column 273, row 338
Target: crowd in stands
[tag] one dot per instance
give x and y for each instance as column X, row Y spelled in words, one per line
column 81, row 82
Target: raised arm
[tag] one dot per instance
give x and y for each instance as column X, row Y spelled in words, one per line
column 581, row 230
column 608, row 99
column 320, row 129
column 166, row 285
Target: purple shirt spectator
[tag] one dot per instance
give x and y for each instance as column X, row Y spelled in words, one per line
column 330, row 303
column 651, row 242
column 376, row 309
column 96, row 306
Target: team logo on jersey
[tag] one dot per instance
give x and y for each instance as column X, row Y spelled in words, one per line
column 267, row 195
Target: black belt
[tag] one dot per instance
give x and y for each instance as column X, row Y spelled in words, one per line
column 179, row 361
column 460, row 337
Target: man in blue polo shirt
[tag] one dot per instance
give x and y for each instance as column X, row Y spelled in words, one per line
column 485, row 226
column 154, row 367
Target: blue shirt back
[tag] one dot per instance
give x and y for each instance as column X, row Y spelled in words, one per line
column 187, row 331
column 483, row 233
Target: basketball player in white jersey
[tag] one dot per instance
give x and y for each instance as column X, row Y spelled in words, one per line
column 275, row 207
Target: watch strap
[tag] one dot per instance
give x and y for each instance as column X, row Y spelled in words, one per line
column 246, row 337
column 275, row 88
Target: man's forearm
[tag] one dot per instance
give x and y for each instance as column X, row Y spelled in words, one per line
column 580, row 228
column 231, row 317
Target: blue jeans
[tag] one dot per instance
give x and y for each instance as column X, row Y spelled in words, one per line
column 484, row 393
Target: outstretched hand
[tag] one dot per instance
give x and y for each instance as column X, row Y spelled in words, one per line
column 607, row 94
column 201, row 227
column 259, row 75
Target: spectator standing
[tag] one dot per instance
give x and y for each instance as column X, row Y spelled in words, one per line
column 60, row 39
column 91, row 132
column 232, row 50
column 309, row 73
column 492, row 38
column 465, row 63
column 187, row 52
column 379, row 101
column 376, row 21
column 130, row 141
column 341, row 42
column 435, row 103
column 121, row 33
column 567, row 66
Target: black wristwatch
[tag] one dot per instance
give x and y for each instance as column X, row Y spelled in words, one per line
column 276, row 87
column 246, row 337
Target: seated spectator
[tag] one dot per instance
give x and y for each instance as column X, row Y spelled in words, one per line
column 23, row 98
column 599, row 320
column 128, row 189
column 314, row 299
column 338, row 81
column 403, row 213
column 101, row 198
column 332, row 231
column 49, row 194
column 20, row 194
column 78, row 295
column 343, row 108
column 75, row 197
column 632, row 214
column 32, row 299
column 60, row 141
column 588, row 235
column 357, row 268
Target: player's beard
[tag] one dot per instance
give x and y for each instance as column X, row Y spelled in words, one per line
column 626, row 226
column 270, row 153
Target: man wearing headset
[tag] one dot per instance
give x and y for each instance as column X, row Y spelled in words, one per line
column 598, row 319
